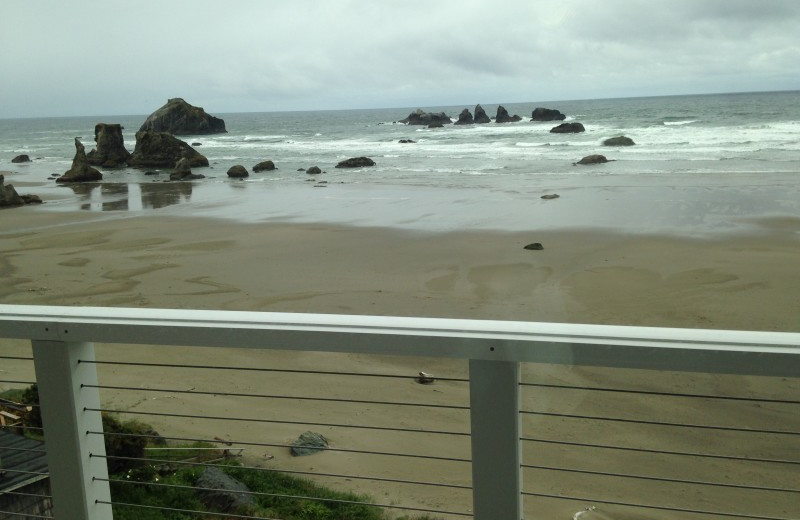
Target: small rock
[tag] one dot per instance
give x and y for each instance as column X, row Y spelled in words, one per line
column 264, row 165
column 151, row 172
column 197, row 144
column 425, row 378
column 183, row 171
column 619, row 141
column 308, row 443
column 31, row 199
column 593, row 159
column 407, row 141
column 356, row 162
column 567, row 128
column 222, row 491
column 536, row 246
column 314, row 170
column 301, row 169
column 21, row 159
column 237, row 172
column 550, row 196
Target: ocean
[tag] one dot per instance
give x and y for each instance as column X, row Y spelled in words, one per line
column 701, row 164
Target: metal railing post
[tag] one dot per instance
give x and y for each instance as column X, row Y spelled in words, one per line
column 59, row 376
column 496, row 446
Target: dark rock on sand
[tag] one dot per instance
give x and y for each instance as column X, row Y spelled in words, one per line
column 31, row 199
column 567, row 128
column 80, row 170
column 503, row 117
column 110, row 151
column 151, row 172
column 183, row 171
column 301, row 169
column 238, row 171
column 264, row 165
column 356, row 162
column 480, row 115
column 593, row 159
column 619, row 141
column 308, row 443
column 161, row 149
column 314, row 170
column 222, row 492
column 550, row 196
column 197, row 144
column 465, row 118
column 536, row 246
column 420, row 117
column 180, row 118
column 8, row 195
column 406, row 141
column 547, row 114
column 21, row 159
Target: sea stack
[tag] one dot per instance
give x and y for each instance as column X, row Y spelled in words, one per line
column 110, row 150
column 465, row 118
column 161, row 149
column 420, row 117
column 503, row 117
column 547, row 114
column 180, row 118
column 80, row 170
column 480, row 115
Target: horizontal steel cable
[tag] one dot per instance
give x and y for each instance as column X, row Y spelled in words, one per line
column 15, row 382
column 176, row 510
column 660, row 479
column 275, row 470
column 19, row 358
column 659, row 423
column 25, row 472
column 282, row 495
column 26, row 515
column 22, row 427
column 665, row 394
column 660, row 508
column 271, row 396
column 30, row 450
column 276, row 421
column 257, row 369
column 22, row 494
column 661, row 452
column 270, row 445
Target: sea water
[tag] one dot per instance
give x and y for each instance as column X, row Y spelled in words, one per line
column 700, row 163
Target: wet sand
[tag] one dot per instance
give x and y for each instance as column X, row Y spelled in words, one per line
column 744, row 281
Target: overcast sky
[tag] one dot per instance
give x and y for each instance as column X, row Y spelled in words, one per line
column 111, row 57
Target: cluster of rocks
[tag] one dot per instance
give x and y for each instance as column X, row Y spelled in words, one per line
column 437, row 119
column 238, row 171
column 611, row 141
column 10, row 198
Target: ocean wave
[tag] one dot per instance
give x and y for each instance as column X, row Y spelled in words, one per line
column 680, row 123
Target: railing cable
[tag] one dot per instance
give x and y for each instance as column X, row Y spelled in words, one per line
column 26, row 515
column 18, row 358
column 29, row 450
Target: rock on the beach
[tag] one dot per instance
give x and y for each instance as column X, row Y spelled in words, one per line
column 567, row 128
column 80, row 170
column 180, row 118
column 503, row 117
column 536, row 246
column 406, row 141
column 420, row 117
column 21, row 159
column 237, row 171
column 308, row 443
column 183, row 171
column 31, row 199
column 110, row 151
column 223, row 492
column 480, row 115
column 314, row 170
column 593, row 159
column 161, row 149
column 197, row 144
column 8, row 195
column 619, row 141
column 550, row 196
column 465, row 118
column 264, row 165
column 547, row 114
column 356, row 162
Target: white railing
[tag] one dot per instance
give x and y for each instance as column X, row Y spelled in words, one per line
column 70, row 401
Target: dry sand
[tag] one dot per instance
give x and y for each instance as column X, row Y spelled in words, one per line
column 736, row 282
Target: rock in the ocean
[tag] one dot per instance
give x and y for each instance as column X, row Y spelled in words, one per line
column 21, row 159
column 503, row 117
column 550, row 196
column 593, row 159
column 8, row 195
column 436, row 125
column 619, row 141
column 465, row 118
column 480, row 115
column 356, row 162
column 80, row 170
column 264, row 165
column 406, row 141
column 197, row 144
column 161, row 149
column 223, row 492
column 547, row 114
column 110, row 151
column 238, row 172
column 567, row 128
column 314, row 170
column 420, row 117
column 180, row 118
column 183, row 171
column 536, row 246
column 308, row 443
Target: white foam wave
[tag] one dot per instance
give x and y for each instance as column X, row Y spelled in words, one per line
column 680, row 123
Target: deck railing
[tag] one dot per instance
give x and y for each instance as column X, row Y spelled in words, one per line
column 66, row 373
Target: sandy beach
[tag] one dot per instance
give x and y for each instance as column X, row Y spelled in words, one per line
column 744, row 281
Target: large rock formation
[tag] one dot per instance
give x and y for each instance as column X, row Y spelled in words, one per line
column 21, row 159
column 547, row 114
column 80, row 170
column 356, row 162
column 110, row 150
column 161, row 149
column 503, row 117
column 567, row 128
column 480, row 115
column 180, row 118
column 465, row 118
column 8, row 195
column 420, row 117
column 619, row 141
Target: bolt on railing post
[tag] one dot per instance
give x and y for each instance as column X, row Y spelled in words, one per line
column 496, row 447
column 59, row 375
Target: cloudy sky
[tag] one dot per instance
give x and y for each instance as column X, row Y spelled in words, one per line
column 112, row 57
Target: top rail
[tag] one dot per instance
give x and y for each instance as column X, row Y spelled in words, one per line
column 694, row 350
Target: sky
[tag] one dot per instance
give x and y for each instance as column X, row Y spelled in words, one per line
column 112, row 57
